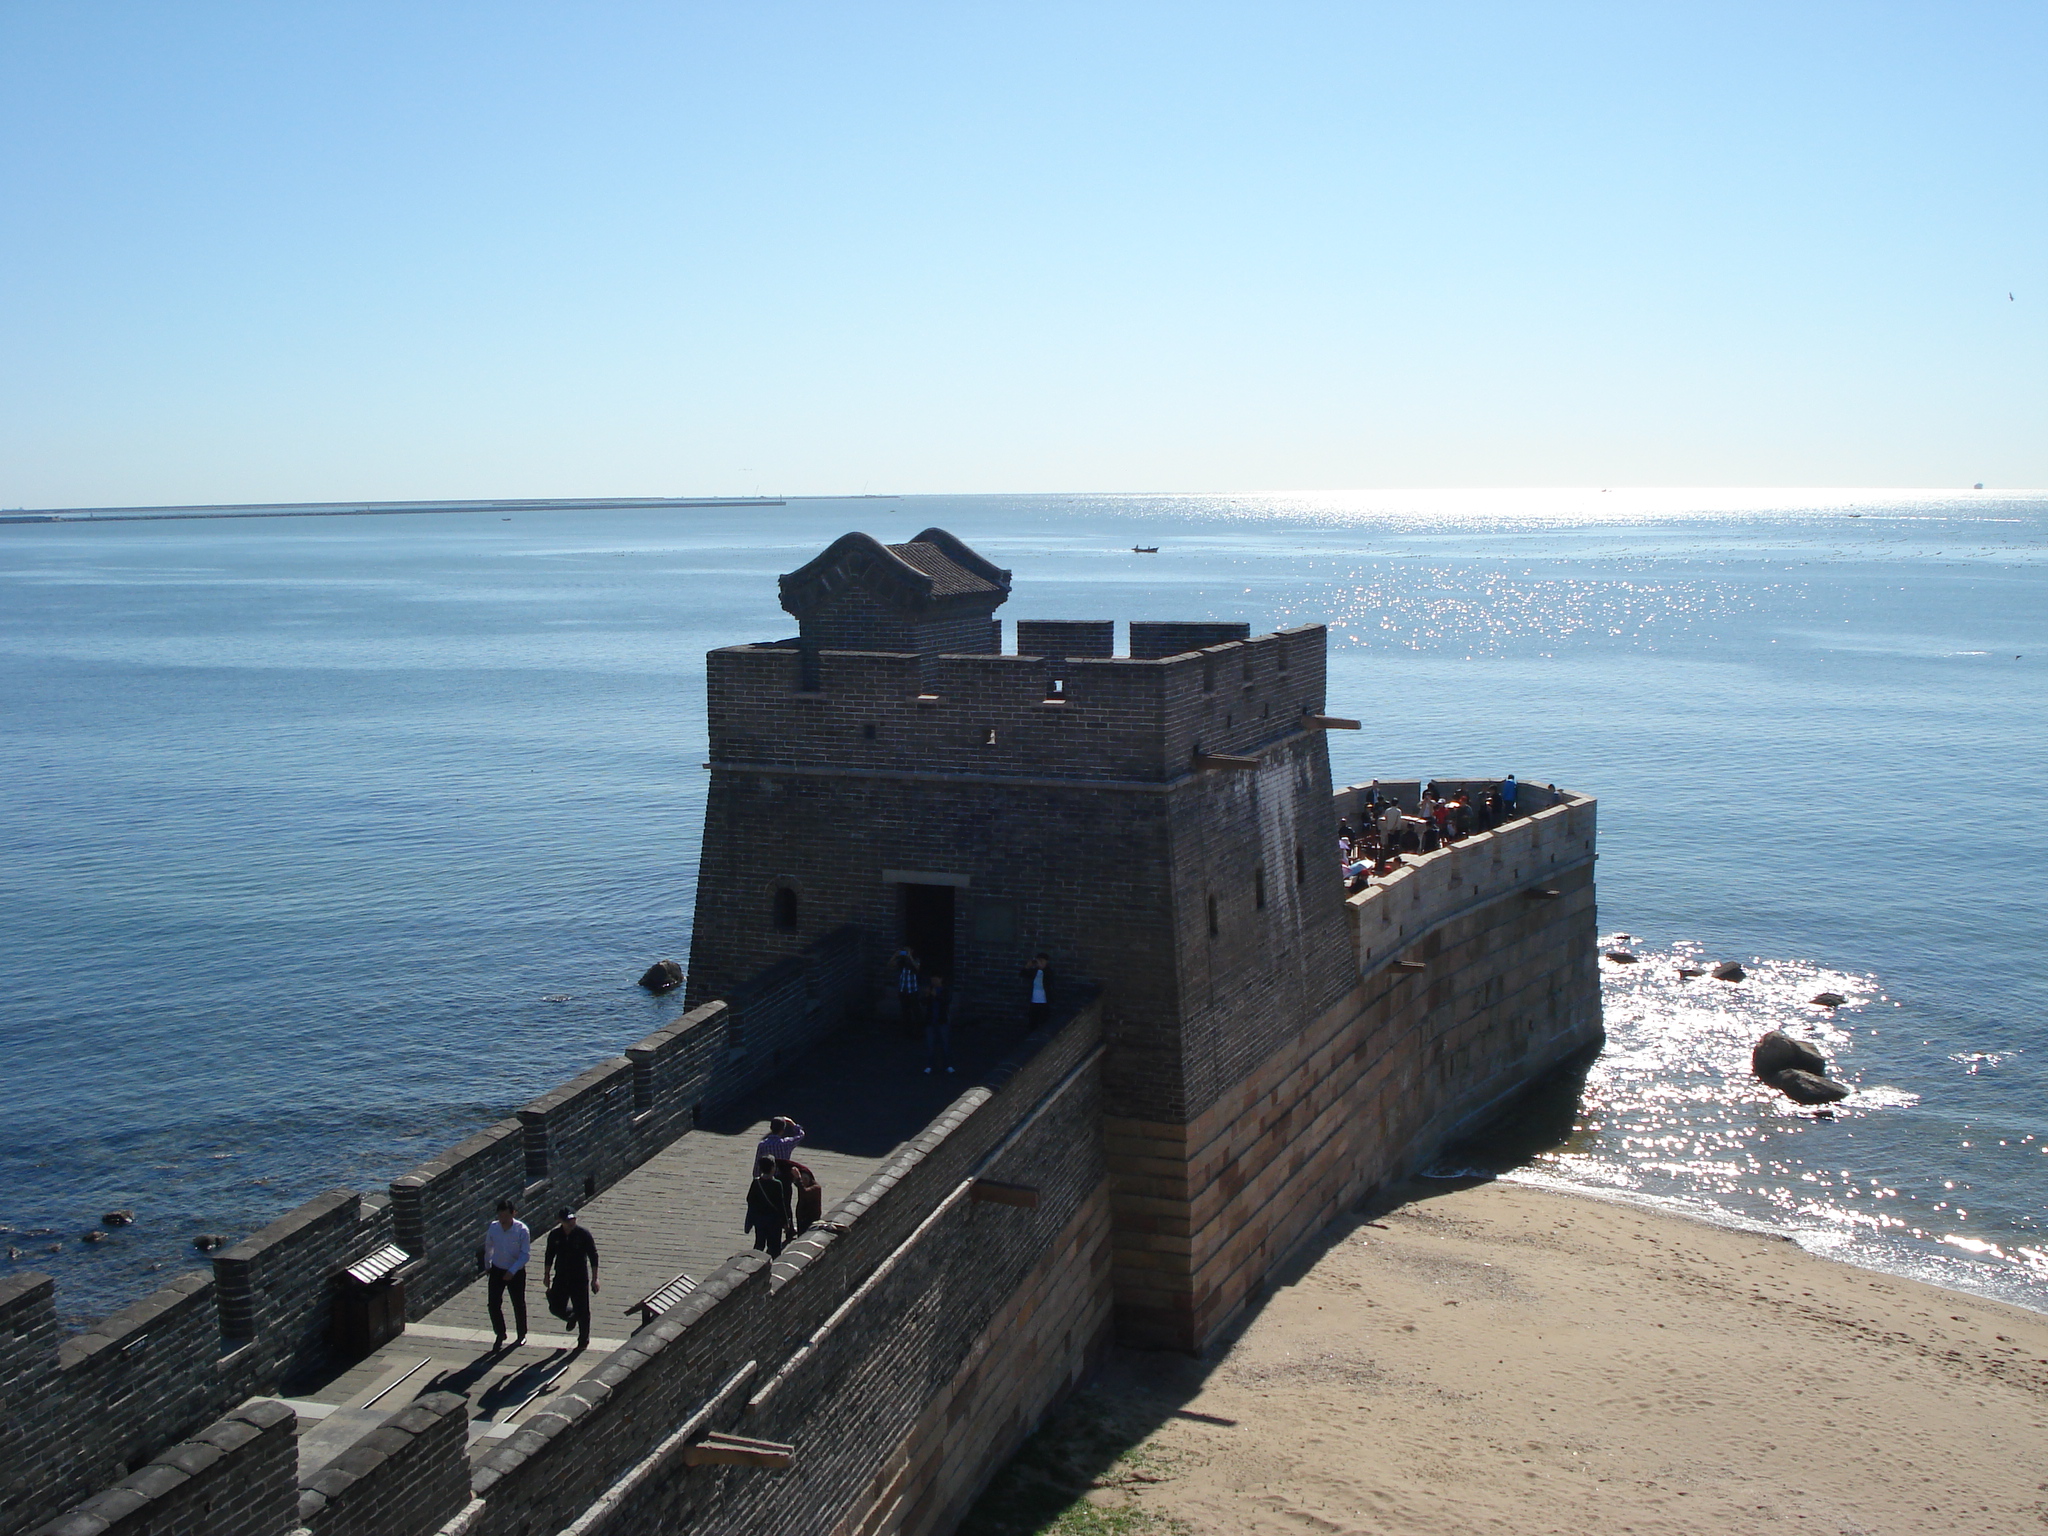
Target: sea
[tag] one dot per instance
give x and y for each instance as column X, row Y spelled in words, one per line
column 328, row 840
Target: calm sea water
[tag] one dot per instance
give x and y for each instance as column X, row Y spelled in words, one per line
column 329, row 840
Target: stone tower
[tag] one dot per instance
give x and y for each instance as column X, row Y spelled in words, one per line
column 1160, row 824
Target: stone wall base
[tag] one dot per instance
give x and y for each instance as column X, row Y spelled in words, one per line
column 1367, row 1092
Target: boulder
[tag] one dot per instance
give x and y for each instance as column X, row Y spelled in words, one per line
column 1687, row 972
column 1621, row 957
column 1728, row 970
column 94, row 1236
column 1809, row 1087
column 206, row 1242
column 1828, row 999
column 1778, row 1052
column 119, row 1218
column 662, row 976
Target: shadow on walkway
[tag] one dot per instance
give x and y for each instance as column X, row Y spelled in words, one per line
column 864, row 1091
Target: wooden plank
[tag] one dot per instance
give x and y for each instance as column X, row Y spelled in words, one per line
column 717, row 1450
column 1224, row 760
column 1330, row 723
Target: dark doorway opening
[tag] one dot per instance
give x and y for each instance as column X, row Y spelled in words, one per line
column 928, row 926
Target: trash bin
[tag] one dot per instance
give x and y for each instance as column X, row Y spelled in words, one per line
column 369, row 1302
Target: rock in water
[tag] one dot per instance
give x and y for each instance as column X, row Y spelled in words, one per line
column 1728, row 970
column 1687, row 972
column 94, row 1236
column 1829, row 999
column 662, row 976
column 1779, row 1052
column 119, row 1218
column 206, row 1242
column 1621, row 957
column 1809, row 1087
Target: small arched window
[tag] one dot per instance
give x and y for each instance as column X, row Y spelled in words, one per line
column 1259, row 887
column 785, row 908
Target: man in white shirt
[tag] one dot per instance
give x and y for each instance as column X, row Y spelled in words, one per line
column 507, row 1247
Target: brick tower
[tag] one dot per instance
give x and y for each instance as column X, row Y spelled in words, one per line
column 1160, row 824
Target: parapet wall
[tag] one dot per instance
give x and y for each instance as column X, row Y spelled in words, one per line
column 83, row 1412
column 1111, row 718
column 840, row 1346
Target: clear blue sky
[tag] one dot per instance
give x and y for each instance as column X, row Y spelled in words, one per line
column 303, row 251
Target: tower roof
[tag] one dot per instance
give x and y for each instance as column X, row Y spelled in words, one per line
column 932, row 571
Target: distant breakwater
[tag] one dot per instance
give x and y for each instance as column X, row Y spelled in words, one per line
column 365, row 509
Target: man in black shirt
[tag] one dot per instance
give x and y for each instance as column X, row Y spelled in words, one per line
column 570, row 1261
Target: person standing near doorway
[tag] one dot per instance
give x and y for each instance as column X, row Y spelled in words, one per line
column 507, row 1247
column 909, row 1009
column 1038, row 997
column 570, row 1261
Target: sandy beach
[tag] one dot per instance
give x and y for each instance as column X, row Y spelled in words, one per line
column 1500, row 1358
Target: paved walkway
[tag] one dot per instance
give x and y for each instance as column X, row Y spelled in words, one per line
column 859, row 1096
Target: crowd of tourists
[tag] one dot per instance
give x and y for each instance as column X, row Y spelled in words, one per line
column 1443, row 815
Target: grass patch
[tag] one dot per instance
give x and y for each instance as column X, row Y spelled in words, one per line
column 1095, row 1441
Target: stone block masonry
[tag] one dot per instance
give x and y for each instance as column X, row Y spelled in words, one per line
column 407, row 1477
column 237, row 1477
column 1508, row 988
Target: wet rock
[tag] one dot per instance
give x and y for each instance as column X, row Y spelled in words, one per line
column 662, row 976
column 1687, row 972
column 1621, row 957
column 94, row 1236
column 119, row 1218
column 1728, row 970
column 1828, row 999
column 1809, row 1087
column 206, row 1242
column 1778, row 1052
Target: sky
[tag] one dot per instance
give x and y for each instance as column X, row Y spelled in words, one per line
column 254, row 252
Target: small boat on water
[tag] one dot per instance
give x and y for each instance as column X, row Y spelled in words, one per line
column 1144, row 549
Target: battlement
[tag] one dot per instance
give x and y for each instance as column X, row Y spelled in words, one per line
column 1139, row 720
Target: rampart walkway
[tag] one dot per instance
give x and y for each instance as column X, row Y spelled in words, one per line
column 859, row 1095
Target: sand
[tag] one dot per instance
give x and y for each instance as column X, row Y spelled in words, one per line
column 1501, row 1358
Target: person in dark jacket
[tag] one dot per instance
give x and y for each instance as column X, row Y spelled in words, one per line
column 909, row 1002
column 768, row 1215
column 938, row 1026
column 569, row 1262
column 1038, row 999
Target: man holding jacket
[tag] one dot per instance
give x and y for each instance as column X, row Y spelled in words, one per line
column 570, row 1262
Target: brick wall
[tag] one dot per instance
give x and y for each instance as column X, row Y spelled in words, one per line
column 404, row 1478
column 1078, row 824
column 236, row 1477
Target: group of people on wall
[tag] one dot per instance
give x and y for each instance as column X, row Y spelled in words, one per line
column 1443, row 815
column 924, row 1002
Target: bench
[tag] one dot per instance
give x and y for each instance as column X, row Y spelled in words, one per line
column 655, row 1303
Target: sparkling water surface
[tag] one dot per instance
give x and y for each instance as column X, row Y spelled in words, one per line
column 329, row 841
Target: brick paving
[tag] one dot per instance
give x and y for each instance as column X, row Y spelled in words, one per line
column 859, row 1096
